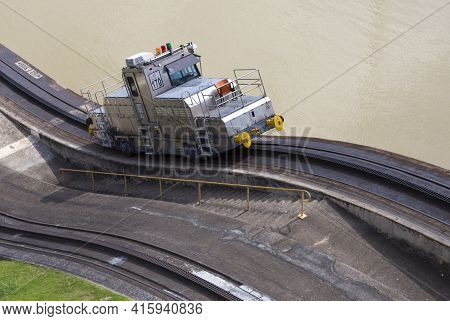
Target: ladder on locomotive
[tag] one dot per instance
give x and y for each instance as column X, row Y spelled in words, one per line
column 201, row 130
column 147, row 133
column 102, row 128
column 203, row 137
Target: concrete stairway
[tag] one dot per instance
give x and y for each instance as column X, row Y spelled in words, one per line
column 274, row 211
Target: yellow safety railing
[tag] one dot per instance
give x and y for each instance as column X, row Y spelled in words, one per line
column 199, row 184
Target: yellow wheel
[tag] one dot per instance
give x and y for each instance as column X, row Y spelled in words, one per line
column 246, row 140
column 278, row 122
column 90, row 126
column 91, row 130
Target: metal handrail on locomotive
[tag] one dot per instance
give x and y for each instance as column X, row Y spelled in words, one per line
column 163, row 105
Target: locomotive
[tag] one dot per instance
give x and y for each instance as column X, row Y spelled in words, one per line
column 163, row 105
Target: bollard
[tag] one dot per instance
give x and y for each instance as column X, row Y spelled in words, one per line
column 302, row 214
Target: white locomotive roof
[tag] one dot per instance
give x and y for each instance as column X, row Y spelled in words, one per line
column 189, row 88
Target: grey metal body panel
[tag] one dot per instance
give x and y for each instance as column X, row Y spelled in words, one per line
column 247, row 117
column 121, row 116
column 192, row 87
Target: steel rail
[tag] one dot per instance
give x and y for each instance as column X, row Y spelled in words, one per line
column 303, row 151
column 58, row 126
column 266, row 141
column 154, row 259
column 147, row 284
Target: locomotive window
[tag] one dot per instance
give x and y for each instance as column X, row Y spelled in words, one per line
column 184, row 75
column 132, row 86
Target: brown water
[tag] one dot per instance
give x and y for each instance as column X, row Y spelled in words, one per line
column 397, row 99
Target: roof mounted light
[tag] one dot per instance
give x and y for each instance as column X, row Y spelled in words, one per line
column 139, row 59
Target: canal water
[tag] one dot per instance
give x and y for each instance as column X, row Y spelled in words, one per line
column 371, row 72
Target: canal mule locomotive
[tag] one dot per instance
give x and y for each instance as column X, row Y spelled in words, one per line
column 163, row 105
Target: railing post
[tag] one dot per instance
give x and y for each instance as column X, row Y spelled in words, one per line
column 160, row 190
column 248, row 198
column 125, row 185
column 199, row 193
column 302, row 214
column 93, row 183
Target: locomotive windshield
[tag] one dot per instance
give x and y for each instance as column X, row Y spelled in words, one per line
column 184, row 75
column 183, row 70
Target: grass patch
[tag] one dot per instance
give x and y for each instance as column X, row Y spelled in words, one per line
column 25, row 282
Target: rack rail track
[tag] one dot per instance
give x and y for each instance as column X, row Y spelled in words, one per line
column 433, row 186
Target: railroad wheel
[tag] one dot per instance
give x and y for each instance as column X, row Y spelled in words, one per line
column 126, row 148
column 246, row 140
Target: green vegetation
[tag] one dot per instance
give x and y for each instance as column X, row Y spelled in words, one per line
column 25, row 282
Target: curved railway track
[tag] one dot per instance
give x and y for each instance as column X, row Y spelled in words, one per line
column 432, row 186
column 72, row 243
column 9, row 94
column 8, row 239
